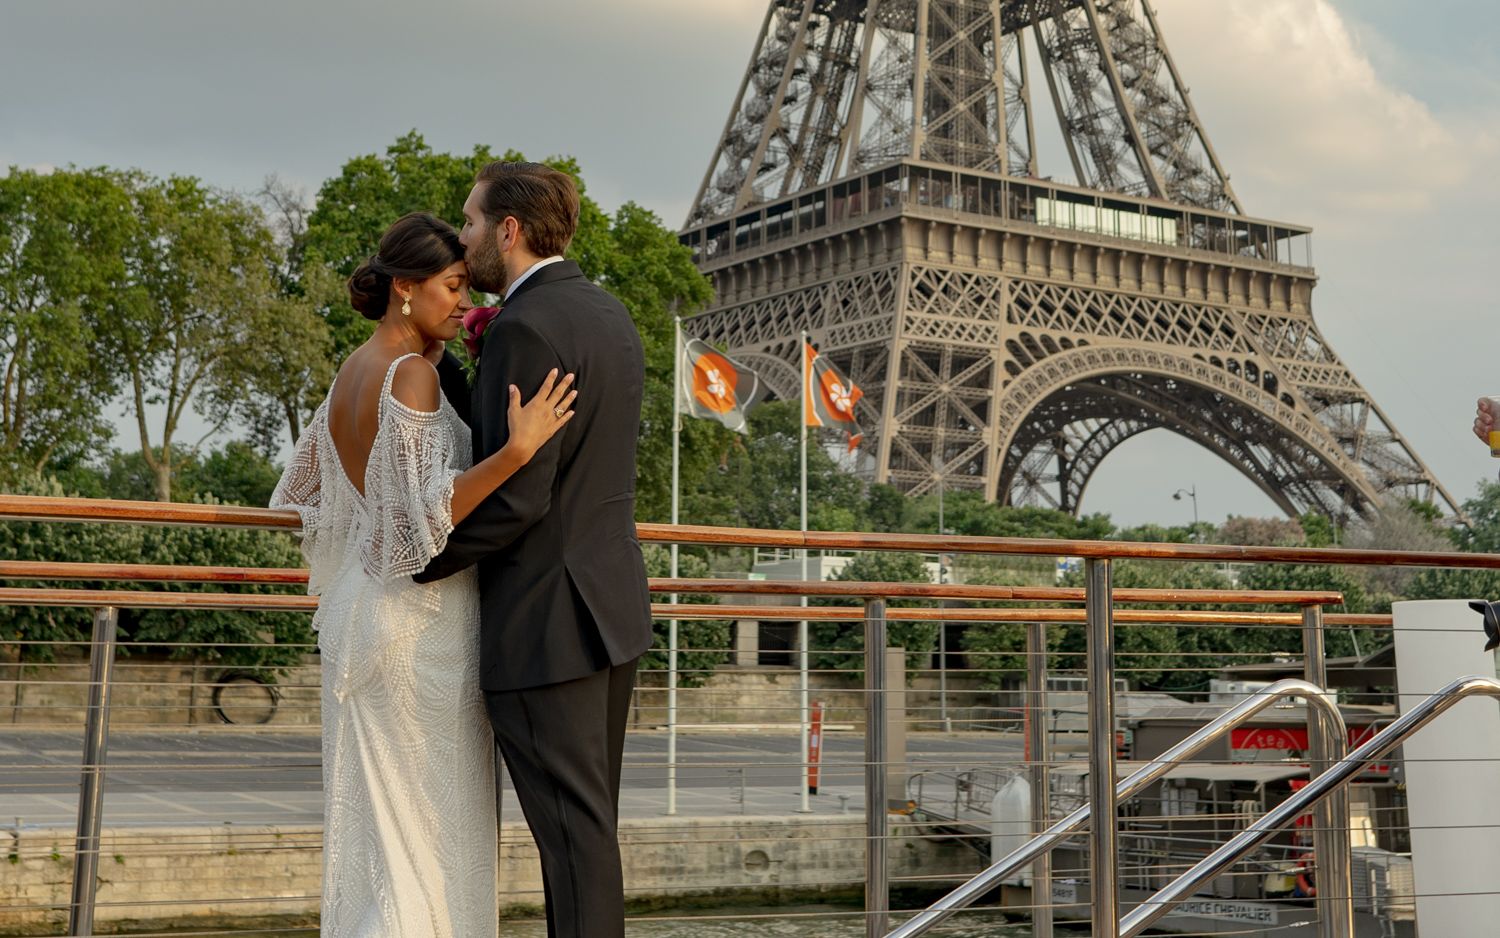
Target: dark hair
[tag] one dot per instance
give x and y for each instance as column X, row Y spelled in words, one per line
column 417, row 246
column 542, row 199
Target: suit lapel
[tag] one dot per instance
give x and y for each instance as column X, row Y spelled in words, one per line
column 552, row 273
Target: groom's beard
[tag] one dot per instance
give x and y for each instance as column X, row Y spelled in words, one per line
column 487, row 271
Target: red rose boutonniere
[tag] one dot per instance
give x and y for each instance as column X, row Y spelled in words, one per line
column 476, row 321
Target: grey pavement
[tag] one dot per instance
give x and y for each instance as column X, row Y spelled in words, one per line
column 217, row 776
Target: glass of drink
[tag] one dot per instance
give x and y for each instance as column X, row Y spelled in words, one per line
column 1494, row 408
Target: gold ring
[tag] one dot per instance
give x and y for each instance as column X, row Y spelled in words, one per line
column 558, row 412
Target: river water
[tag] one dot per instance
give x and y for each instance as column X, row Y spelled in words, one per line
column 814, row 921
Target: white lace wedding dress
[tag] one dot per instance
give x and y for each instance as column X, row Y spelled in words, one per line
column 408, row 776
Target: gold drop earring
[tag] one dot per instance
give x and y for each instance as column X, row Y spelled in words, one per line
column 406, row 306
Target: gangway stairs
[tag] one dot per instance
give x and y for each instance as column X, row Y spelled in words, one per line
column 1330, row 783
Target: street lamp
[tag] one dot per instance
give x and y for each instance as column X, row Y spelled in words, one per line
column 1193, row 494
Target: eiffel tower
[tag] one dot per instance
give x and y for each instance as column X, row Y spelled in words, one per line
column 877, row 184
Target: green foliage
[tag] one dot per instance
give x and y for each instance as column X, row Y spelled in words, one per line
column 41, row 541
column 247, row 639
column 63, row 244
column 758, row 485
column 202, row 291
column 840, row 645
column 701, row 644
column 1480, row 535
column 631, row 254
column 356, row 207
column 235, row 474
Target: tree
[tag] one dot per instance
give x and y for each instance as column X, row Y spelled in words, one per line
column 759, row 485
column 630, row 253
column 841, row 645
column 1397, row 525
column 62, row 272
column 273, row 640
column 1267, row 532
column 235, row 474
column 355, row 208
column 701, row 643
column 202, row 321
column 42, row 633
column 247, row 639
column 1480, row 535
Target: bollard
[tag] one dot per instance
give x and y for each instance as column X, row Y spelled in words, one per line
column 91, row 781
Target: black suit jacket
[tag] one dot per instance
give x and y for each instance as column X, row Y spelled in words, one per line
column 562, row 583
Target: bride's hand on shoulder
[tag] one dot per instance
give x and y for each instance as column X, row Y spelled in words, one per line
column 1484, row 420
column 535, row 422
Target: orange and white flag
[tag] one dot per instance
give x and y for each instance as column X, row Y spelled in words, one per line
column 828, row 398
column 716, row 387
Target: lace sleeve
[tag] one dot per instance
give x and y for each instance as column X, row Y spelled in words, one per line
column 301, row 490
column 408, row 491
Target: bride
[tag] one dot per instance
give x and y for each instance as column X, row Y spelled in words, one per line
column 380, row 476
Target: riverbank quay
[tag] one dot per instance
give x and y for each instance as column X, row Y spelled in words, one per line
column 248, row 871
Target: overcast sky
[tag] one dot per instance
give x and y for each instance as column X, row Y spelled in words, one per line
column 1374, row 121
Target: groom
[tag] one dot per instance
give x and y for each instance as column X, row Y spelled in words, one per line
column 564, row 608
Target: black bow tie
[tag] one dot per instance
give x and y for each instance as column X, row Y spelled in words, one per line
column 1491, row 613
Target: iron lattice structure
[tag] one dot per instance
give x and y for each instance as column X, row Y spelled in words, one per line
column 877, row 184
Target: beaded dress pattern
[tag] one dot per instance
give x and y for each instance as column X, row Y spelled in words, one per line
column 408, row 772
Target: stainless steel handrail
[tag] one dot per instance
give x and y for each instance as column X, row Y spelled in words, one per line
column 1147, row 913
column 1043, row 843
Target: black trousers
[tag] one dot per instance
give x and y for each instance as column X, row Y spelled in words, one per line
column 563, row 744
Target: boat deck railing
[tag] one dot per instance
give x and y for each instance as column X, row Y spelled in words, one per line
column 886, row 700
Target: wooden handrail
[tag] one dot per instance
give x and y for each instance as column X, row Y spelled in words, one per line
column 150, row 573
column 1059, row 616
column 145, row 599
column 978, row 592
column 260, row 602
column 37, row 508
column 294, row 576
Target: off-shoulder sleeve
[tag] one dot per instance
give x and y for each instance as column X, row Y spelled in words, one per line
column 408, row 491
column 301, row 490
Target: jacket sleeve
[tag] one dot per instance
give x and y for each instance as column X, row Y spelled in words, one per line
column 455, row 385
column 518, row 355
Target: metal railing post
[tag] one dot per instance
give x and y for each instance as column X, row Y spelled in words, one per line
column 1153, row 772
column 91, row 780
column 1265, row 827
column 877, row 821
column 1104, row 894
column 1331, row 838
column 1041, row 758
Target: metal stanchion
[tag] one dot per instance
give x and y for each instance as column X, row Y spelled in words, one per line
column 91, row 781
column 1103, row 842
column 1331, row 838
column 1041, row 757
column 877, row 822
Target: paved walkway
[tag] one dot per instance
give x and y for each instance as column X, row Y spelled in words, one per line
column 242, row 777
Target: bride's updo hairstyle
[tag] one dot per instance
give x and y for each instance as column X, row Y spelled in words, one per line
column 417, row 246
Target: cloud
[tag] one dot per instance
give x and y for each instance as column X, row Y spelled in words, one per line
column 1308, row 127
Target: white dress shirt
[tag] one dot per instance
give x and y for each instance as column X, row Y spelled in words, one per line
column 529, row 271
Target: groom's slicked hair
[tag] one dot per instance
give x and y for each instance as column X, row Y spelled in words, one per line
column 542, row 199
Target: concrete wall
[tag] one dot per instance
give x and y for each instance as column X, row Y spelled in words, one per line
column 169, row 693
column 180, row 873
column 144, row 692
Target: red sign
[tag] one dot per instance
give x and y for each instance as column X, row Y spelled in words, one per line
column 1291, row 739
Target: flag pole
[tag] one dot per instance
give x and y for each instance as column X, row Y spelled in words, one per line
column 802, row 626
column 676, row 512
